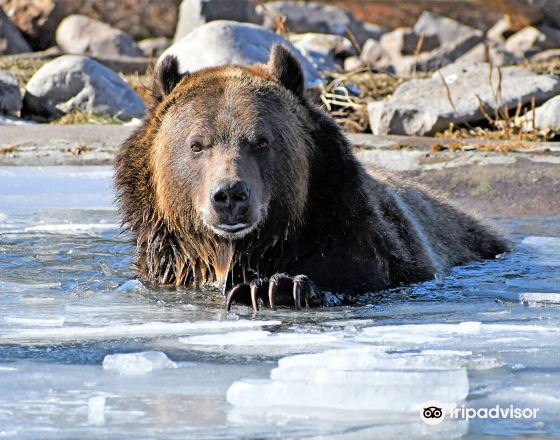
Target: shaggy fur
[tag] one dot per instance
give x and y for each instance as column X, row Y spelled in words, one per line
column 319, row 212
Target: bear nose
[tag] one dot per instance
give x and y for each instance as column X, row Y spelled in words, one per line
column 231, row 197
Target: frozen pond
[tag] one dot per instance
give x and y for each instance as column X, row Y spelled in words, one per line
column 87, row 353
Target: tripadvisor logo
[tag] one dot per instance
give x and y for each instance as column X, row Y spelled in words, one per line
column 433, row 412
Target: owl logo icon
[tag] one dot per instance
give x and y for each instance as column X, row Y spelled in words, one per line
column 432, row 412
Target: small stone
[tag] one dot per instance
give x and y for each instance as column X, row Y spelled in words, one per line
column 10, row 96
column 11, row 40
column 353, row 63
column 303, row 16
column 405, row 41
column 495, row 53
column 154, row 47
column 324, row 51
column 532, row 40
column 501, row 30
column 372, row 52
column 447, row 54
column 195, row 13
column 446, row 29
column 78, row 34
column 547, row 116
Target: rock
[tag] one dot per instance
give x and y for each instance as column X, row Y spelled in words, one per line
column 501, row 30
column 446, row 29
column 303, row 16
column 11, row 41
column 154, row 47
column 547, row 116
column 372, row 52
column 422, row 107
column 10, row 96
column 551, row 12
column 375, row 31
column 531, row 40
column 227, row 42
column 323, row 50
column 78, row 34
column 39, row 19
column 195, row 13
column 352, row 63
column 489, row 52
column 547, row 55
column 73, row 83
column 448, row 53
column 125, row 64
column 404, row 41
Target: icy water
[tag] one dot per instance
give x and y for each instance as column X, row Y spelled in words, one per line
column 85, row 352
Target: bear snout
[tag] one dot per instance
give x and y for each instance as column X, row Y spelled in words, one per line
column 231, row 202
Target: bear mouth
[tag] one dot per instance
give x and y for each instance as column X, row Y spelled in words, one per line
column 233, row 227
column 232, row 231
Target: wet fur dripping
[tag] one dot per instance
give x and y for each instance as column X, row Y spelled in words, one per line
column 246, row 137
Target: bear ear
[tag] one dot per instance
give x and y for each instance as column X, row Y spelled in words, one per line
column 166, row 77
column 285, row 68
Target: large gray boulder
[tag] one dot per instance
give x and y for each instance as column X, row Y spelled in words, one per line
column 11, row 41
column 426, row 106
column 227, row 42
column 446, row 29
column 81, row 35
column 73, row 83
column 154, row 47
column 10, row 96
column 303, row 16
column 195, row 13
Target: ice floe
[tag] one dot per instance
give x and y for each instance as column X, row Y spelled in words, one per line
column 149, row 329
column 540, row 298
column 137, row 364
column 262, row 342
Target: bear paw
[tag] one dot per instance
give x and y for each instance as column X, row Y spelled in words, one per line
column 280, row 290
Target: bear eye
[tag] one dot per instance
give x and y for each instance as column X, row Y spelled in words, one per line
column 196, row 147
column 262, row 144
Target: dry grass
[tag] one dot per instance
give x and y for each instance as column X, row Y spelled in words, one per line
column 22, row 68
column 85, row 118
column 349, row 108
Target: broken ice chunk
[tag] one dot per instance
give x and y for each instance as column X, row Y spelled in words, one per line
column 539, row 299
column 263, row 342
column 147, row 330
column 135, row 364
column 96, row 410
column 395, row 391
column 41, row 322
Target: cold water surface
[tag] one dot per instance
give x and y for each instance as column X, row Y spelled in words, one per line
column 86, row 352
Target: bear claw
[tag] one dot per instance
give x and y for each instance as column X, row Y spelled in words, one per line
column 280, row 289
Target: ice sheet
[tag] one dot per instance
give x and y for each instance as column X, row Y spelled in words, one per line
column 149, row 329
column 68, row 301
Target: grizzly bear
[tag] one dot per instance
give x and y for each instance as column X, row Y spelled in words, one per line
column 237, row 178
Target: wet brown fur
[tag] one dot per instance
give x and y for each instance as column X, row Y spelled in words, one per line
column 348, row 230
